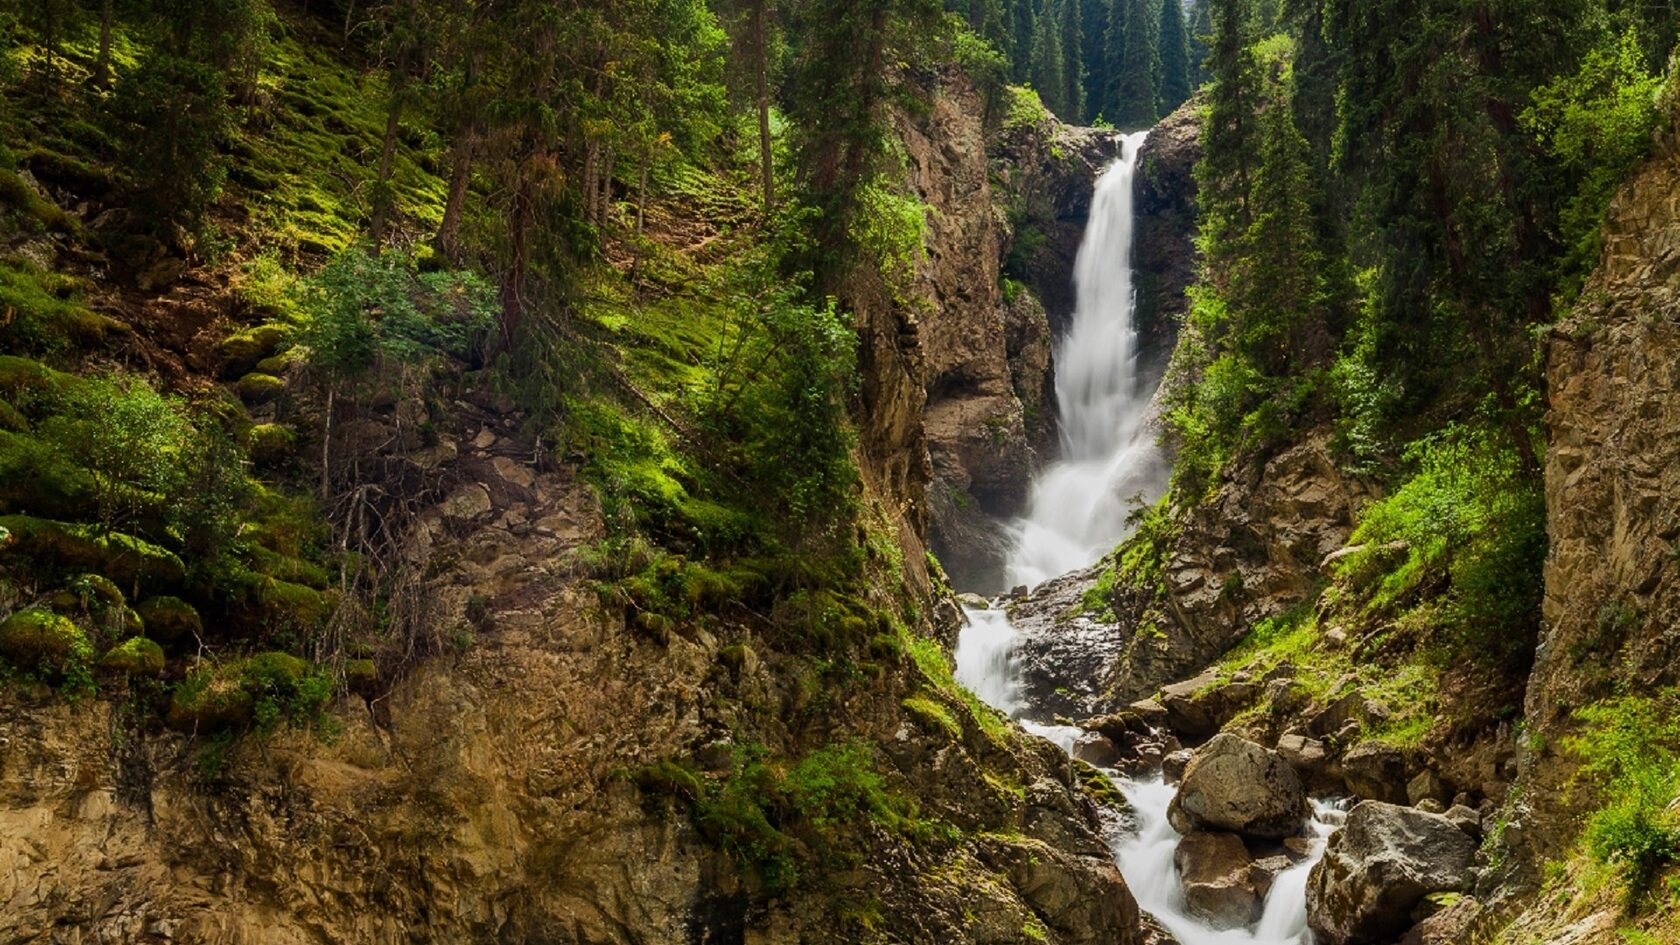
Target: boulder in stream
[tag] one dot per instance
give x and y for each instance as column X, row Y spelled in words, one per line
column 1378, row 867
column 1218, row 878
column 1233, row 784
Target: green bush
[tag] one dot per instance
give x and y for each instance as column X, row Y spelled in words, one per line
column 1630, row 751
column 134, row 657
column 1472, row 515
column 172, row 115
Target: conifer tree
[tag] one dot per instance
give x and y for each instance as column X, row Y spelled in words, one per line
column 1136, row 83
column 1073, row 62
column 1094, row 31
column 1174, row 57
column 1047, row 62
column 1023, row 21
column 1114, row 57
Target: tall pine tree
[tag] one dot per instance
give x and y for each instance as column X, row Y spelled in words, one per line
column 1174, row 56
column 1073, row 60
column 1047, row 75
column 1201, row 35
column 1114, row 57
column 1094, row 29
column 1136, row 88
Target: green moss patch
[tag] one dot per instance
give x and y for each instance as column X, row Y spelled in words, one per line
column 134, row 657
column 170, row 618
column 84, row 548
column 41, row 641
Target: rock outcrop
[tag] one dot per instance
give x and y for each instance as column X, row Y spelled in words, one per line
column 1252, row 550
column 1378, row 867
column 532, row 782
column 1164, row 257
column 1235, row 785
column 1612, row 494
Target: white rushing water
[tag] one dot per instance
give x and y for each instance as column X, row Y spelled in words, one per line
column 1146, row 857
column 1079, row 504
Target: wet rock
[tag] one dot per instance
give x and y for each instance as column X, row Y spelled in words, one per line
column 1233, row 784
column 1096, row 749
column 1378, row 867
column 1376, row 772
column 1173, row 765
column 1216, row 872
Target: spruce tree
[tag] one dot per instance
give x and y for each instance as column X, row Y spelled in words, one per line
column 1047, row 77
column 1136, row 83
column 1114, row 57
column 1094, row 30
column 1174, row 56
column 1073, row 62
column 1201, row 35
column 1023, row 20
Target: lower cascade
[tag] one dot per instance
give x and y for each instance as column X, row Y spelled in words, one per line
column 1146, row 856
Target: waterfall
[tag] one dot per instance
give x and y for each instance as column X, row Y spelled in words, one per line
column 1079, row 505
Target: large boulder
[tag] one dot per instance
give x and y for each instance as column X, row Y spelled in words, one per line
column 1378, row 867
column 1376, row 772
column 1233, row 784
column 1218, row 878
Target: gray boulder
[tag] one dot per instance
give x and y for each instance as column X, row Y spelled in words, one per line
column 1233, row 784
column 1378, row 867
column 1217, row 874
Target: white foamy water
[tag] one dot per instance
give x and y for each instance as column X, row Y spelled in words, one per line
column 1146, row 860
column 1146, row 857
column 1079, row 504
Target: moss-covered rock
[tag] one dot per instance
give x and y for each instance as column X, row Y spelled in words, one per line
column 209, row 699
column 243, row 350
column 257, row 388
column 170, row 618
column 270, row 444
column 11, row 420
column 37, row 639
column 36, row 479
column 135, row 657
column 279, row 364
column 122, row 558
column 22, row 379
column 284, row 603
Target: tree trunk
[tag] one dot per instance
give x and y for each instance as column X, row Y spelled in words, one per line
column 761, row 66
column 102, row 62
column 519, row 264
column 382, row 196
column 591, row 165
column 448, row 240
column 606, row 191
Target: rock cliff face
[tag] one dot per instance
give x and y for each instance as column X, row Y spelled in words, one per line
column 1164, row 263
column 498, row 793
column 1612, row 491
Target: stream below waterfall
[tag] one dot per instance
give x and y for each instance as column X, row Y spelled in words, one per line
column 1078, row 513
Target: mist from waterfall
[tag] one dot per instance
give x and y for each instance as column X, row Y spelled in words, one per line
column 1079, row 505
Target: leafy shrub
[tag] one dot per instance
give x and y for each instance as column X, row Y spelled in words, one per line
column 1597, row 124
column 1472, row 515
column 1629, row 746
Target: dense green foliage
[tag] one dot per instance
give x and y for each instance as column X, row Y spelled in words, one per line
column 1384, row 275
column 1630, row 749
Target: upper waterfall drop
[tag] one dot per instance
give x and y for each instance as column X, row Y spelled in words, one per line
column 1079, row 505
